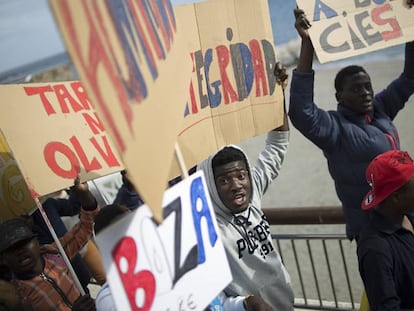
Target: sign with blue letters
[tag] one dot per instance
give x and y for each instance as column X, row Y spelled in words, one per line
column 179, row 264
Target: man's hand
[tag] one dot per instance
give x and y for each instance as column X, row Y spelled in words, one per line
column 281, row 75
column 84, row 303
column 255, row 303
column 86, row 198
column 302, row 24
column 79, row 187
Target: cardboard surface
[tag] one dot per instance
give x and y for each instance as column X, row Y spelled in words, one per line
column 15, row 198
column 341, row 29
column 233, row 93
column 128, row 55
column 55, row 134
column 179, row 264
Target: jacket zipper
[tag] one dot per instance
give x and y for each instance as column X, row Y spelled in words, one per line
column 57, row 288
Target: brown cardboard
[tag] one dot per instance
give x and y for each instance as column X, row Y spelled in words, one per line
column 225, row 25
column 15, row 198
column 136, row 69
column 54, row 134
column 356, row 27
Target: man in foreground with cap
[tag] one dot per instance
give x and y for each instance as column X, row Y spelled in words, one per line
column 386, row 245
column 39, row 274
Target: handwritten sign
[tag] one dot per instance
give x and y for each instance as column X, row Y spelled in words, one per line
column 133, row 60
column 341, row 29
column 179, row 264
column 233, row 93
column 15, row 198
column 54, row 134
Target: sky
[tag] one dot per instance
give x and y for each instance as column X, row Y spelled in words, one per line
column 28, row 32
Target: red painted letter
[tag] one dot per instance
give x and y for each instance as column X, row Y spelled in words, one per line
column 126, row 251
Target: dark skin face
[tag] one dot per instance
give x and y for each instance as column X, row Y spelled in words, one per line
column 24, row 257
column 233, row 185
column 357, row 93
column 404, row 197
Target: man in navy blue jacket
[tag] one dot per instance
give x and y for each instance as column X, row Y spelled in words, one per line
column 360, row 128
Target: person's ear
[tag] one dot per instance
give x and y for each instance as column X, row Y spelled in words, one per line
column 338, row 96
column 395, row 198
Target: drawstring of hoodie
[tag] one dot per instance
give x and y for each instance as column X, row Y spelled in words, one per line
column 390, row 138
column 242, row 222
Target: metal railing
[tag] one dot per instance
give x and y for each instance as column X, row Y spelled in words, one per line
column 323, row 266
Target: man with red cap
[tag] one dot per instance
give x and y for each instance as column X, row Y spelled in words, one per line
column 386, row 245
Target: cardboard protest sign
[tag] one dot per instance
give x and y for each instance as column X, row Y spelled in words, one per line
column 133, row 60
column 233, row 93
column 341, row 29
column 15, row 198
column 55, row 134
column 179, row 264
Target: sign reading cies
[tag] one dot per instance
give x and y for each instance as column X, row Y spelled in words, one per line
column 341, row 29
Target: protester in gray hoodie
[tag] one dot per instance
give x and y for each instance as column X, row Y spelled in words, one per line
column 236, row 190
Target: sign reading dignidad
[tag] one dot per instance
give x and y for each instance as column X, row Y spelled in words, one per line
column 341, row 29
column 177, row 265
column 233, row 93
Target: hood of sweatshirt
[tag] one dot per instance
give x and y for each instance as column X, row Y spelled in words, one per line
column 207, row 167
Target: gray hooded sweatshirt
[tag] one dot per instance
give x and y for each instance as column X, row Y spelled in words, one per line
column 255, row 264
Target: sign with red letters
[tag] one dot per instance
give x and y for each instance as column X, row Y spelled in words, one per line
column 179, row 264
column 341, row 29
column 54, row 134
column 233, row 94
column 132, row 58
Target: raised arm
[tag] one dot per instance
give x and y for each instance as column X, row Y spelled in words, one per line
column 81, row 232
column 306, row 51
column 409, row 60
column 282, row 79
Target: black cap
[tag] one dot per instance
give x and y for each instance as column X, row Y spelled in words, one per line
column 13, row 231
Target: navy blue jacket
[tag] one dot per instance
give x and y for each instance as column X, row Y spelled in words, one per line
column 348, row 142
column 128, row 198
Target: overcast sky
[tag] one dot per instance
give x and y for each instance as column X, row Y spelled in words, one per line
column 28, row 32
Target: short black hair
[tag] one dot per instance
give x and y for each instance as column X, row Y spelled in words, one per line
column 226, row 155
column 344, row 73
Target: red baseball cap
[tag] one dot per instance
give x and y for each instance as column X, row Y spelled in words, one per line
column 385, row 174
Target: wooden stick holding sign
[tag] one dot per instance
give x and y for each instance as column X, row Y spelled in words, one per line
column 46, row 219
column 59, row 246
column 180, row 160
